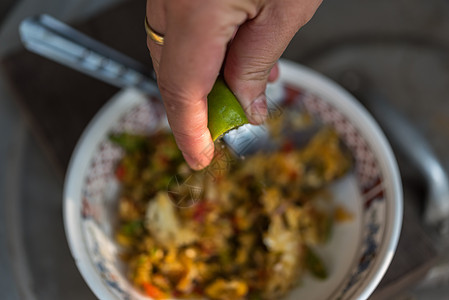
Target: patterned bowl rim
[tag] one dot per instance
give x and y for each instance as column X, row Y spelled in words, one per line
column 291, row 73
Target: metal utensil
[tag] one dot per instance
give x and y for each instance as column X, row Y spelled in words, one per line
column 57, row 41
column 406, row 139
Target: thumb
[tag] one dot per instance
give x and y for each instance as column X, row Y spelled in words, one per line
column 253, row 52
column 246, row 71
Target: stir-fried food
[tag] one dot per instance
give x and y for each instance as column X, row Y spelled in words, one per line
column 242, row 229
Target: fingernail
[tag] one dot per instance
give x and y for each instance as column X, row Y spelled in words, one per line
column 196, row 163
column 258, row 110
column 192, row 162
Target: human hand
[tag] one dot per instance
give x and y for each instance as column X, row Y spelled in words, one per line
column 246, row 37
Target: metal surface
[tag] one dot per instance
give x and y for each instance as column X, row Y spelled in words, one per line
column 402, row 44
column 57, row 41
column 9, row 159
column 409, row 143
column 35, row 262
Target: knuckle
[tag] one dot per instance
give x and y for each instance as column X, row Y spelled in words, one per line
column 255, row 74
column 193, row 135
column 193, row 142
column 171, row 94
column 254, row 69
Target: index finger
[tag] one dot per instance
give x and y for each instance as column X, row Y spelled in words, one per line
column 192, row 55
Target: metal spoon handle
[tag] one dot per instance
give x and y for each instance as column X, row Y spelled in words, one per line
column 57, row 41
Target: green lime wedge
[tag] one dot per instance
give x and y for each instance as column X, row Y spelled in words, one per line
column 224, row 110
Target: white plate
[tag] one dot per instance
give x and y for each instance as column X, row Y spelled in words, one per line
column 358, row 253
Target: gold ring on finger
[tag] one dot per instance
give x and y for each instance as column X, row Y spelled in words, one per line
column 153, row 35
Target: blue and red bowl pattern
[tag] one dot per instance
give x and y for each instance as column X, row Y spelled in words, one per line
column 366, row 171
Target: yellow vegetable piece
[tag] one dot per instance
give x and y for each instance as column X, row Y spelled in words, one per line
column 341, row 214
column 224, row 110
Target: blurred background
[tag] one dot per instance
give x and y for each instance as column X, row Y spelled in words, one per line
column 400, row 46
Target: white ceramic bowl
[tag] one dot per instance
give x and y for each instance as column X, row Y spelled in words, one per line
column 359, row 251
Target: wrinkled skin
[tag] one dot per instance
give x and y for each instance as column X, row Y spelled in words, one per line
column 246, row 37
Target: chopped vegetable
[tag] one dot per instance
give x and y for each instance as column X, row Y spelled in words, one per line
column 129, row 142
column 222, row 289
column 153, row 291
column 249, row 226
column 342, row 215
column 314, row 264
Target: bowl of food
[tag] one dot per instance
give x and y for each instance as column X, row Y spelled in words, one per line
column 318, row 216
